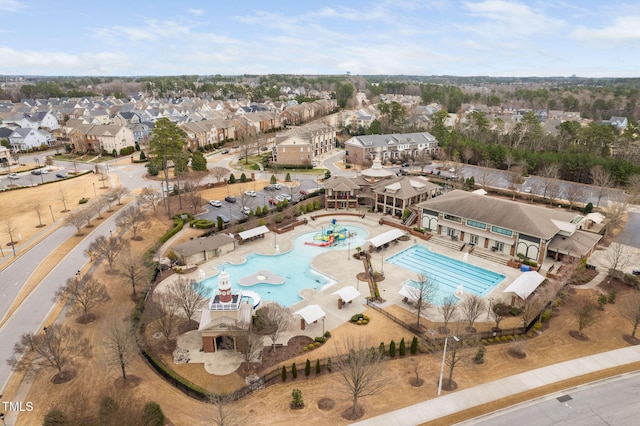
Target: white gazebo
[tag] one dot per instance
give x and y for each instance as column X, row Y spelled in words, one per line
column 346, row 295
column 525, row 284
column 310, row 315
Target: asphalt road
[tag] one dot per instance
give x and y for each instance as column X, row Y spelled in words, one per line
column 611, row 402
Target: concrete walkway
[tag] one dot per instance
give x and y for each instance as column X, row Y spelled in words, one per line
column 436, row 408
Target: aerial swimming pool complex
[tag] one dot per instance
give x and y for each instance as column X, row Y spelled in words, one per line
column 294, row 266
column 450, row 274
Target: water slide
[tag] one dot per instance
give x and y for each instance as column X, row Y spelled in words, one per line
column 323, row 244
column 252, row 294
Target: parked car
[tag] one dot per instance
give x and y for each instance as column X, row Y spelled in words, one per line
column 224, row 218
column 230, row 199
column 13, row 176
column 277, row 186
column 272, row 201
column 405, row 164
column 225, row 151
column 403, row 172
column 527, row 190
column 62, row 174
column 304, row 192
column 246, row 211
column 270, row 188
column 263, row 148
column 250, row 193
column 286, row 196
column 636, row 272
column 215, row 203
column 279, row 198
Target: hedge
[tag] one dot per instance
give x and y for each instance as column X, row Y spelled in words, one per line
column 177, row 227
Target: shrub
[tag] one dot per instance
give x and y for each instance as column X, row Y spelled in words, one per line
column 284, row 373
column 55, row 417
column 152, row 414
column 320, row 339
column 287, row 177
column 273, row 179
column 490, row 340
column 294, row 371
column 296, row 396
column 310, row 347
column 317, row 344
column 546, row 315
column 403, row 349
column 83, row 200
column 307, row 367
column 232, row 178
column 327, row 334
column 414, row 346
column 318, row 367
column 243, row 178
column 515, row 311
column 392, row 349
column 265, row 211
column 381, row 350
column 602, row 300
column 479, row 358
column 537, row 326
column 611, row 298
column 278, row 217
column 483, row 341
column 329, row 365
column 504, row 339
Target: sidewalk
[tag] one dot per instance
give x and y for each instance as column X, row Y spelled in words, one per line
column 468, row 398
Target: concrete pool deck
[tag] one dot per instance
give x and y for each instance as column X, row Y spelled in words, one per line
column 343, row 269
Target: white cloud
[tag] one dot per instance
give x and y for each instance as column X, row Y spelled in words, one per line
column 624, row 29
column 11, row 6
column 197, row 12
column 498, row 19
column 54, row 63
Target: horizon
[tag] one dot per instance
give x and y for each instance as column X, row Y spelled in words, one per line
column 458, row 38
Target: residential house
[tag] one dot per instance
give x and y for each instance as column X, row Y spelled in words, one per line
column 302, row 145
column 27, row 139
column 341, row 193
column 508, row 227
column 39, row 120
column 619, row 123
column 392, row 147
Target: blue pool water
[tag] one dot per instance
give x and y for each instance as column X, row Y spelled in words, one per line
column 293, row 266
column 448, row 273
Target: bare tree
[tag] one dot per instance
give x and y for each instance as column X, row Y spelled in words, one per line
column 87, row 215
column 426, row 290
column 448, row 309
column 273, row 321
column 509, row 160
column 456, row 353
column 530, row 309
column 416, row 366
column 617, row 257
column 11, row 229
column 97, row 206
column 486, row 174
column 471, row 308
column 39, row 210
column 75, row 219
column 149, row 197
column 585, row 313
column 358, row 370
column 132, row 269
column 514, row 178
column 188, row 293
column 107, row 247
column 549, row 175
column 119, row 345
column 602, row 180
column 165, row 310
column 63, row 196
column 629, row 307
column 83, row 294
column 617, row 207
column 225, row 413
column 118, row 193
column 498, row 312
column 220, row 173
column 133, row 216
column 573, row 193
column 253, row 344
column 57, row 348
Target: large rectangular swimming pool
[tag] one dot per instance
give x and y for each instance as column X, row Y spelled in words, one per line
column 447, row 272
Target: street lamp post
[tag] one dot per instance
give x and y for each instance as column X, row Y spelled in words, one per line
column 382, row 264
column 323, row 326
column 444, row 354
column 94, row 189
column 51, row 210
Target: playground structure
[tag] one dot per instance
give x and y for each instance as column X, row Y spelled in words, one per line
column 329, row 235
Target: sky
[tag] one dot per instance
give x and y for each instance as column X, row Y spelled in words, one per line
column 587, row 38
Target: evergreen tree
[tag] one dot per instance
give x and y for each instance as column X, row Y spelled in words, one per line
column 307, row 368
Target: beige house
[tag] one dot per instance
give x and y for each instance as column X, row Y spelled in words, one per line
column 508, row 227
column 200, row 250
column 341, row 193
column 302, row 145
column 393, row 196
